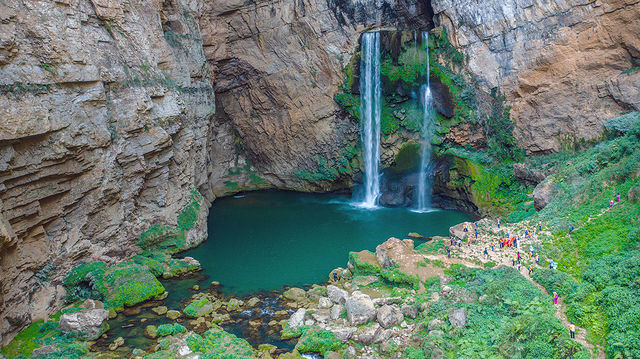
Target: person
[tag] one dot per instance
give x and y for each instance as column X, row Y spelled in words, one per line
column 475, row 224
column 537, row 259
column 476, row 233
column 513, row 261
column 492, row 247
column 526, row 233
column 459, row 242
column 550, row 264
column 530, row 268
column 617, row 197
column 486, row 253
column 465, row 228
column 518, row 256
column 519, row 266
column 335, row 276
column 555, row 298
column 572, row 330
column 570, row 229
column 539, row 226
column 498, row 223
column 449, row 252
column 611, row 204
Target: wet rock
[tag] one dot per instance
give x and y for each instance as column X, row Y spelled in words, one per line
column 129, row 312
column 234, row 304
column 292, row 355
column 90, row 323
column 220, row 318
column 252, row 302
column 297, row 319
column 336, row 294
column 295, row 294
column 173, row 314
column 336, row 311
column 151, row 331
column 254, row 323
column 316, row 292
column 198, row 308
column 360, row 308
column 116, row 343
column 195, row 287
column 159, row 310
column 458, row 318
column 343, row 334
column 409, row 311
column 324, row 303
column 389, row 316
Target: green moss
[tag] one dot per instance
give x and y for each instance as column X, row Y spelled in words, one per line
column 39, row 334
column 216, row 343
column 198, row 308
column 396, row 277
column 288, row 333
column 176, row 267
column 318, row 341
column 170, row 329
column 362, row 268
column 407, row 159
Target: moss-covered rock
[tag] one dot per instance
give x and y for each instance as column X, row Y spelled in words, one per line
column 318, row 341
column 198, row 308
column 216, row 343
column 170, row 329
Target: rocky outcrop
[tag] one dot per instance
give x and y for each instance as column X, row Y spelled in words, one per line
column 89, row 323
column 563, row 65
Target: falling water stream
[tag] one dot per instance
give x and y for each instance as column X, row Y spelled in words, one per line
column 424, row 179
column 370, row 109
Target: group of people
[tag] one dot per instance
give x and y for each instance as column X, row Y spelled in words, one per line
column 616, row 199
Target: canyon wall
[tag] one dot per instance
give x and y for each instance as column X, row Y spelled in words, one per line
column 565, row 66
column 111, row 112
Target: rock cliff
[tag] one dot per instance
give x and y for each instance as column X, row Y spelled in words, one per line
column 112, row 112
column 565, row 66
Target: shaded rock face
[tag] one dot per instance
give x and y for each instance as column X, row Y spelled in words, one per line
column 559, row 63
column 105, row 127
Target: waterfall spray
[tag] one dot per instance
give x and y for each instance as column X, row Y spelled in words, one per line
column 424, row 179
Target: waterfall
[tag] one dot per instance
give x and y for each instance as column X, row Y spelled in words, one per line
column 424, row 178
column 370, row 109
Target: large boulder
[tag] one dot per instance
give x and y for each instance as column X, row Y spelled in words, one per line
column 90, row 323
column 389, row 316
column 458, row 230
column 336, row 311
column 343, row 334
column 337, row 295
column 410, row 311
column 295, row 294
column 542, row 194
column 368, row 335
column 393, row 252
column 297, row 319
column 458, row 318
column 360, row 308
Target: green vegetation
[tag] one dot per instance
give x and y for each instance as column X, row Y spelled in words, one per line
column 362, row 268
column 170, row 329
column 39, row 334
column 198, row 308
column 216, row 343
column 320, row 341
column 330, row 169
column 397, row 278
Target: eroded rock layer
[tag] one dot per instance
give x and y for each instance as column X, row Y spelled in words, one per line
column 565, row 66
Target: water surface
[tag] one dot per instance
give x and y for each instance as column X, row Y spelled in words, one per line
column 265, row 240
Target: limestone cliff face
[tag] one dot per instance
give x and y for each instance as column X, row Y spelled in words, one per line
column 277, row 65
column 560, row 63
column 106, row 112
column 111, row 112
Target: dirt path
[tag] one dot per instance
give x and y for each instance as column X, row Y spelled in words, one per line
column 489, row 233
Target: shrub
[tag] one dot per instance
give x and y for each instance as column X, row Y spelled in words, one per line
column 320, row 341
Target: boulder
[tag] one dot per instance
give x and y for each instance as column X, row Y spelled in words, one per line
column 336, row 311
column 367, row 335
column 321, row 315
column 336, row 294
column 458, row 230
column 409, row 311
column 350, row 352
column 435, row 323
column 151, row 331
column 387, row 300
column 297, row 319
column 198, row 308
column 91, row 323
column 360, row 308
column 343, row 334
column 458, row 318
column 252, row 302
column 173, row 314
column 391, row 253
column 234, row 304
column 389, row 316
column 159, row 310
column 116, row 343
column 324, row 303
column 43, row 351
column 295, row 294
column 542, row 194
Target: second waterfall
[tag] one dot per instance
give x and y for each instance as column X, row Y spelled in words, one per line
column 370, row 109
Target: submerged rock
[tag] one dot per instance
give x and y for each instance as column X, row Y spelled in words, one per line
column 161, row 310
column 116, row 343
column 173, row 314
column 90, row 323
column 151, row 331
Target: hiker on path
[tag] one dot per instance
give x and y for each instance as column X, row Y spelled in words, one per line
column 513, row 261
column 493, row 247
column 555, row 298
column 537, row 259
column 476, row 233
column 486, row 253
column 572, row 330
column 570, row 229
column 617, row 197
column 530, row 269
column 539, row 226
column 465, row 228
column 498, row 223
column 449, row 252
column 611, row 204
column 519, row 266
